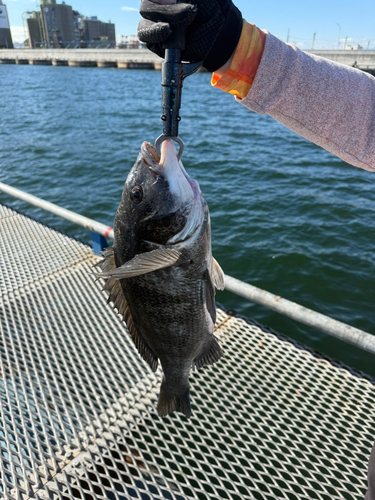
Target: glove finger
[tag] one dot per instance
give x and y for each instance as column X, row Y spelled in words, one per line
column 157, row 48
column 181, row 14
column 151, row 32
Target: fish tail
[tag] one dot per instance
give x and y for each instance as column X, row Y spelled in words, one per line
column 169, row 402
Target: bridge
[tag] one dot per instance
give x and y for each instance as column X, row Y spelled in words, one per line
column 143, row 58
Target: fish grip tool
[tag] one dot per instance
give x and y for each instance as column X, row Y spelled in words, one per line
column 173, row 73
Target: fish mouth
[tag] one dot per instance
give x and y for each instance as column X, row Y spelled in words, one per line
column 156, row 163
column 151, row 157
column 184, row 190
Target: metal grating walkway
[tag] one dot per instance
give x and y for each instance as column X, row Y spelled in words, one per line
column 77, row 405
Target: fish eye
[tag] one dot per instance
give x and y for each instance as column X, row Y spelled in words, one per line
column 136, row 194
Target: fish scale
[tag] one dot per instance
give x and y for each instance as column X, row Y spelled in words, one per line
column 171, row 308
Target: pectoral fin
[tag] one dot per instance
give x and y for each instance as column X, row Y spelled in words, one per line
column 217, row 275
column 146, row 263
column 117, row 298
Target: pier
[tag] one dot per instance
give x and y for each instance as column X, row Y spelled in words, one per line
column 361, row 59
column 101, row 58
column 144, row 59
column 272, row 419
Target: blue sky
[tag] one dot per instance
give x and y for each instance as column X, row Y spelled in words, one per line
column 302, row 18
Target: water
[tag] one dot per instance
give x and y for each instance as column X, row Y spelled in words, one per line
column 286, row 215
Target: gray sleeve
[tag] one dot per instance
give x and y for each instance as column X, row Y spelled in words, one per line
column 327, row 103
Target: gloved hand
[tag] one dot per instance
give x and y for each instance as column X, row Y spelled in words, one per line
column 213, row 28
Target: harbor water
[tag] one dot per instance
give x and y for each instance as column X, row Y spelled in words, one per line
column 286, row 215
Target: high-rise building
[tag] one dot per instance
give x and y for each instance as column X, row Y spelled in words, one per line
column 5, row 34
column 58, row 24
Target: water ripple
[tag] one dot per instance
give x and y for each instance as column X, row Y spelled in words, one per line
column 286, row 215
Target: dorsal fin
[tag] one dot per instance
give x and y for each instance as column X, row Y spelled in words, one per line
column 117, row 298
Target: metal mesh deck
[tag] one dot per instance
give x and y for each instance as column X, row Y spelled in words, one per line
column 77, row 404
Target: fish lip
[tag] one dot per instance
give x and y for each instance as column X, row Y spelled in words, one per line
column 168, row 154
column 151, row 158
column 155, row 163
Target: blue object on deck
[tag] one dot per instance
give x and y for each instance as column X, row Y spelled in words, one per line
column 99, row 243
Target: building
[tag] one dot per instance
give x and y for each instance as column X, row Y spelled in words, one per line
column 58, row 24
column 77, row 17
column 92, row 30
column 107, row 32
column 131, row 42
column 354, row 47
column 5, row 34
column 35, row 30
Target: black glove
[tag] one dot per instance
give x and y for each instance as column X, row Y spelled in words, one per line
column 213, row 29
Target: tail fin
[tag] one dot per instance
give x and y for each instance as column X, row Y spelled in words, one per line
column 169, row 402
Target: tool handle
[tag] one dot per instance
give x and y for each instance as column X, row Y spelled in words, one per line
column 173, row 73
column 176, row 40
column 171, row 81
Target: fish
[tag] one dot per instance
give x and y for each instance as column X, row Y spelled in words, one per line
column 160, row 273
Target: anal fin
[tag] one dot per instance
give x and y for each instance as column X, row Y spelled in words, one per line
column 117, row 298
column 208, row 357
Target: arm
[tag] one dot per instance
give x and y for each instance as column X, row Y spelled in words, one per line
column 327, row 103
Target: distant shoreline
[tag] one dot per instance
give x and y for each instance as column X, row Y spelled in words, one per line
column 144, row 59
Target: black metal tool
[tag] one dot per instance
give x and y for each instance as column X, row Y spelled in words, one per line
column 173, row 74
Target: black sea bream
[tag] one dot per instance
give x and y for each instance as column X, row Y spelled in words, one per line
column 160, row 273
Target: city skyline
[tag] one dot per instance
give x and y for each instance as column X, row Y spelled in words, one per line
column 331, row 21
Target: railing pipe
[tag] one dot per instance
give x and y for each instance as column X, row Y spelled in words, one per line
column 90, row 224
column 342, row 331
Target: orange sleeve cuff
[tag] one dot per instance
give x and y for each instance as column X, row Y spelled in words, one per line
column 239, row 77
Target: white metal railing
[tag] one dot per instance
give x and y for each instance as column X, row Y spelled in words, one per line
column 80, row 220
column 308, row 317
column 342, row 331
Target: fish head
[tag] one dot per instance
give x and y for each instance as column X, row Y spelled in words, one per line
column 159, row 197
